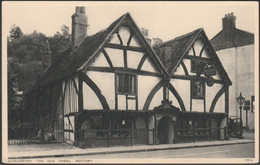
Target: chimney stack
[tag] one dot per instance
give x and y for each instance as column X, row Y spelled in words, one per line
column 79, row 26
column 229, row 22
column 145, row 33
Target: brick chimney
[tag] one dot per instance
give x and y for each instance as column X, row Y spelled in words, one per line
column 79, row 26
column 229, row 22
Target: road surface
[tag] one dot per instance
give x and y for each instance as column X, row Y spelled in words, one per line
column 226, row 151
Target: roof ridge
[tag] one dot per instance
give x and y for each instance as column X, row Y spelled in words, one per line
column 180, row 37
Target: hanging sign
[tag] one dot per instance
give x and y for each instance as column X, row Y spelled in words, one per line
column 247, row 105
column 210, row 81
column 210, row 70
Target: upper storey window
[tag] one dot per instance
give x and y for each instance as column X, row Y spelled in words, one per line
column 126, row 84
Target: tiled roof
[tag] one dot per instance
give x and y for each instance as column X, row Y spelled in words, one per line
column 68, row 63
column 177, row 47
column 228, row 39
column 171, row 53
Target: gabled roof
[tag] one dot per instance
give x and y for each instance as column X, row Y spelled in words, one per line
column 228, row 39
column 68, row 63
column 180, row 46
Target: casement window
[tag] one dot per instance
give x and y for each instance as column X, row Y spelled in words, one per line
column 126, row 84
column 197, row 89
column 121, row 128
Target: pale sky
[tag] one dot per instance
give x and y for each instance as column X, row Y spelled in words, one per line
column 165, row 20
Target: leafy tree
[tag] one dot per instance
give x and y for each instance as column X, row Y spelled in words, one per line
column 60, row 41
column 28, row 56
column 15, row 32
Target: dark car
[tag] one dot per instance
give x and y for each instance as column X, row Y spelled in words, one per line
column 235, row 126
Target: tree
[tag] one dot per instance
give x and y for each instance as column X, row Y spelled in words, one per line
column 15, row 32
column 60, row 41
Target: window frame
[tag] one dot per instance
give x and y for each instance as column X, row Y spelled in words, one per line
column 117, row 83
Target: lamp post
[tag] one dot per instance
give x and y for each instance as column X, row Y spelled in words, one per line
column 240, row 101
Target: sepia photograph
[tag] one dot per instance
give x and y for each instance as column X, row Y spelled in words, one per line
column 130, row 82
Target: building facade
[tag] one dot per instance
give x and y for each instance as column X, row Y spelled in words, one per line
column 235, row 48
column 111, row 88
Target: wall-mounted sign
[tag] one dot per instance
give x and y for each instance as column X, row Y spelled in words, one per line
column 210, row 70
column 247, row 105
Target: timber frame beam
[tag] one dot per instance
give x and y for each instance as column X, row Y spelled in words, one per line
column 214, row 102
column 177, row 96
column 122, row 47
column 185, row 77
column 126, row 70
column 95, row 89
column 152, row 93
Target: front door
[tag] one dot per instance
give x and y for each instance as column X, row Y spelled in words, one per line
column 165, row 131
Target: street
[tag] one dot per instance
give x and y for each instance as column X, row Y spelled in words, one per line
column 226, row 151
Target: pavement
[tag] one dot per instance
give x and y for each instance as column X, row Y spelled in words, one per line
column 31, row 151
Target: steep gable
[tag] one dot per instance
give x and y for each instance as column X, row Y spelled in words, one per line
column 69, row 63
column 173, row 52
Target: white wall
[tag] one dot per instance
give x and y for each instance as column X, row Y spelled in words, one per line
column 106, row 81
column 239, row 64
column 145, row 85
column 183, row 88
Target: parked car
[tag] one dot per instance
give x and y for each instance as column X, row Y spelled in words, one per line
column 235, row 127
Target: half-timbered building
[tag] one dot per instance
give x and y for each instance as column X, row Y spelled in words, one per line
column 198, row 84
column 111, row 88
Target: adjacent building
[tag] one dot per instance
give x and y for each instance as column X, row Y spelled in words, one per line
column 235, row 49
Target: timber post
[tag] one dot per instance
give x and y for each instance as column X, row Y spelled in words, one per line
column 80, row 94
column 210, row 129
column 193, row 130
column 108, row 134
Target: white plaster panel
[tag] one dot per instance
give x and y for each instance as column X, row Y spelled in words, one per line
column 188, row 66
column 124, row 34
column 135, row 42
column 131, row 104
column 205, row 53
column 116, row 56
column 190, row 52
column 198, row 46
column 174, row 100
column 145, row 85
column 197, row 105
column 148, row 66
column 114, row 39
column 133, row 59
column 90, row 99
column 217, row 76
column 211, row 93
column 179, row 70
column 121, row 102
column 157, row 99
column 100, row 61
column 220, row 105
column 183, row 88
column 106, row 83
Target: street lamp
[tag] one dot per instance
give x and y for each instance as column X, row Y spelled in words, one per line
column 240, row 101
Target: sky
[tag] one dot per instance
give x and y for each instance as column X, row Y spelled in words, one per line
column 165, row 20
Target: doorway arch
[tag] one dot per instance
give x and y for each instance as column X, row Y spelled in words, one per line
column 165, row 130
